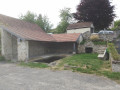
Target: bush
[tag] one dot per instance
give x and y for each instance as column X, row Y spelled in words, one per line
column 113, row 51
column 94, row 38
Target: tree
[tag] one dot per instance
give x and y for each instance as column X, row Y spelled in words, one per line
column 100, row 12
column 42, row 21
column 65, row 17
column 117, row 25
column 29, row 17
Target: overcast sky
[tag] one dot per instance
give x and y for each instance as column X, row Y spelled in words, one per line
column 51, row 8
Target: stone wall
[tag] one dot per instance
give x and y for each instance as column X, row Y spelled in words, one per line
column 23, row 50
column 115, row 64
column 110, row 37
column 107, row 37
column 116, row 33
column 9, row 45
column 96, row 48
column 86, row 35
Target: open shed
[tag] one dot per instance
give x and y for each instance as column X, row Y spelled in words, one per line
column 22, row 40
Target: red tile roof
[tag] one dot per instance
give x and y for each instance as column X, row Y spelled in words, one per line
column 30, row 31
column 71, row 37
column 26, row 30
column 79, row 25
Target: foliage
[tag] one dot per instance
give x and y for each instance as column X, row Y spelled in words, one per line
column 97, row 41
column 34, row 65
column 89, row 63
column 107, row 50
column 65, row 17
column 94, row 37
column 113, row 51
column 29, row 17
column 99, row 12
column 100, row 42
column 61, row 28
column 116, row 25
column 42, row 21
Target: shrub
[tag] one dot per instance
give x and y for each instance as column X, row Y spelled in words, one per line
column 113, row 51
column 94, row 38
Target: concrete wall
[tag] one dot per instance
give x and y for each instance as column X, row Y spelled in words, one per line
column 9, row 45
column 82, row 30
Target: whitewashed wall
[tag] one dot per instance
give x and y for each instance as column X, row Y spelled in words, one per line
column 82, row 30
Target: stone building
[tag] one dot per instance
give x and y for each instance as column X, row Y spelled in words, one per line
column 22, row 40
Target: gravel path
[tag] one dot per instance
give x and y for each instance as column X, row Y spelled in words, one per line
column 14, row 77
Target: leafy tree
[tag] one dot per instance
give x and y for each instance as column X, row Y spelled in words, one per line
column 42, row 21
column 100, row 12
column 117, row 25
column 29, row 16
column 65, row 17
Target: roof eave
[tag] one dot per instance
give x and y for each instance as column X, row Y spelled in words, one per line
column 13, row 33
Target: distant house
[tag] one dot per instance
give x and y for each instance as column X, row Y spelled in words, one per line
column 81, row 27
column 22, row 40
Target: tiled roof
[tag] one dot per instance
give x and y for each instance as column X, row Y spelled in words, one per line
column 26, row 30
column 71, row 37
column 30, row 31
column 79, row 25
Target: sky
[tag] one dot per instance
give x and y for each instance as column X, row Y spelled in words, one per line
column 50, row 8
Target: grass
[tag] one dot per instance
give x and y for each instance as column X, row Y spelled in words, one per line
column 34, row 65
column 100, row 42
column 113, row 52
column 89, row 63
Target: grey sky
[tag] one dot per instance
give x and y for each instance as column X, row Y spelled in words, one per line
column 50, row 8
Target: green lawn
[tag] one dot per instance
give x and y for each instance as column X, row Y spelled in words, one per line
column 89, row 63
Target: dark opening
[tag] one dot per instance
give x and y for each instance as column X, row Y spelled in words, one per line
column 50, row 59
column 88, row 50
column 92, row 30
